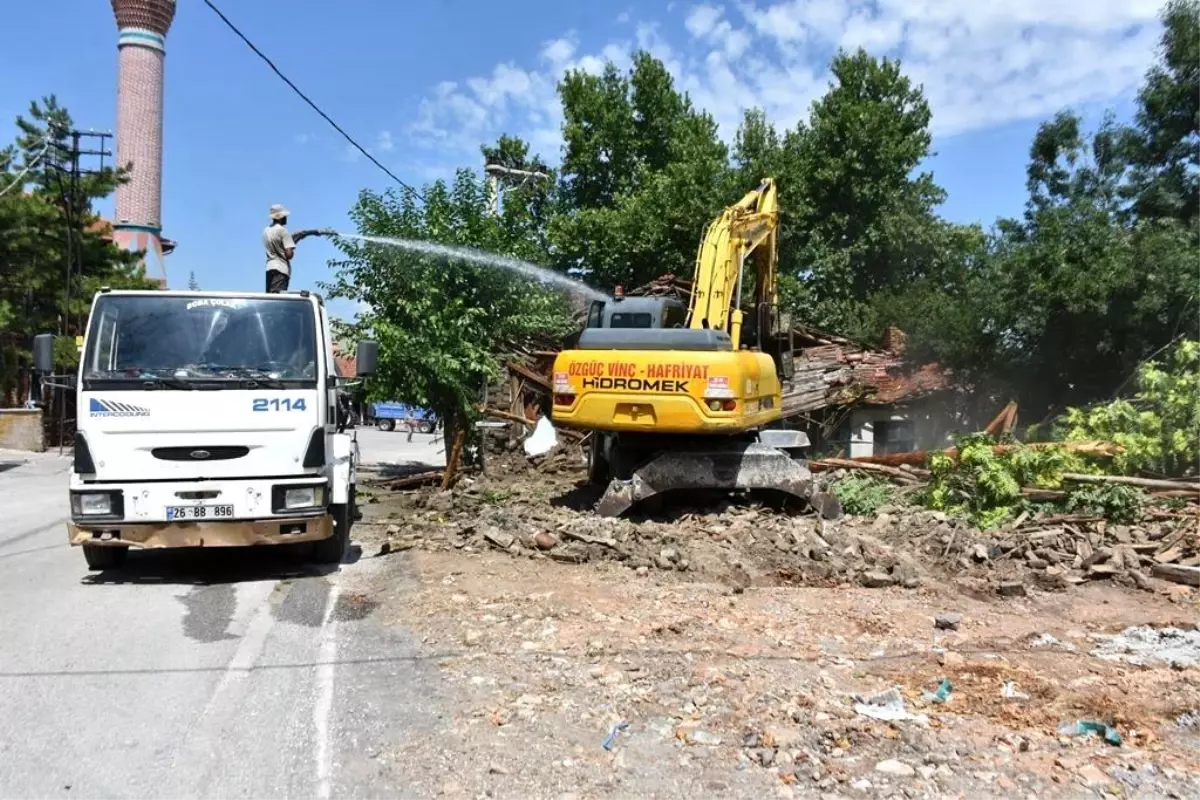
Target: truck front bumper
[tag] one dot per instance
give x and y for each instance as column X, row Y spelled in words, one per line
column 234, row 533
column 141, row 512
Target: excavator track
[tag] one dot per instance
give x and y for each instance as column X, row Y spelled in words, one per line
column 719, row 466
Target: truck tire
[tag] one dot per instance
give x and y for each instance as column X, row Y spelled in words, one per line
column 623, row 460
column 385, row 424
column 331, row 550
column 424, row 426
column 598, row 471
column 101, row 558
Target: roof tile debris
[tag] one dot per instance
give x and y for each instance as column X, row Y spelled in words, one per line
column 832, row 370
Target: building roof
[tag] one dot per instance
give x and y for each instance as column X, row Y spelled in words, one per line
column 102, row 227
column 344, row 360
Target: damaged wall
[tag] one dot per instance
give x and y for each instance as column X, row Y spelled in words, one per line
column 21, row 429
column 923, row 424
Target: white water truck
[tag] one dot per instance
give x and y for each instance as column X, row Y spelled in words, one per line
column 209, row 419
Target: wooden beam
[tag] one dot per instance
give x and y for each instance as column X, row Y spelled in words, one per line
column 1177, row 573
column 528, row 374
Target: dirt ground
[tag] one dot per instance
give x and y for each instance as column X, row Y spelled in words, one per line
column 739, row 652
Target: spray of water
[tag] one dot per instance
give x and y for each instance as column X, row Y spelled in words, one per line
column 540, row 274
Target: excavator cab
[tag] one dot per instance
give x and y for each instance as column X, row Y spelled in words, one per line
column 766, row 329
column 771, row 332
column 637, row 312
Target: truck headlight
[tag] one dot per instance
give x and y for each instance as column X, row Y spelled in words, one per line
column 304, row 497
column 93, row 504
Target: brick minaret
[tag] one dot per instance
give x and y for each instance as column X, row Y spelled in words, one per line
column 141, row 47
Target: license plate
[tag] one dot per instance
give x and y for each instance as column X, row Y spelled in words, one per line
column 200, row 512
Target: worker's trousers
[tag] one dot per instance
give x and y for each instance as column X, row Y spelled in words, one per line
column 277, row 281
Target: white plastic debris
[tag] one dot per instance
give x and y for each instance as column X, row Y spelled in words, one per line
column 542, row 440
column 1045, row 640
column 888, row 706
column 1011, row 692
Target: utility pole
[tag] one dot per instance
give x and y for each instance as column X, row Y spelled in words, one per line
column 497, row 175
column 67, row 164
column 66, row 161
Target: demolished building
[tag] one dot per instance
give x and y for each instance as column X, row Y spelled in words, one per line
column 851, row 398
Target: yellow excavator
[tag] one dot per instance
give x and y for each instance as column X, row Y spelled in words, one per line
column 689, row 398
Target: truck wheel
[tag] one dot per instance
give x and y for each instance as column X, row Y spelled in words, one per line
column 331, row 550
column 100, row 558
column 597, row 463
column 623, row 461
column 385, row 424
column 425, row 427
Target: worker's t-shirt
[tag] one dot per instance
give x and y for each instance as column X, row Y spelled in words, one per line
column 276, row 241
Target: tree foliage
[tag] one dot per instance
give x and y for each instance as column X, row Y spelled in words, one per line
column 985, row 486
column 39, row 220
column 862, row 495
column 642, row 172
column 1159, row 427
column 440, row 322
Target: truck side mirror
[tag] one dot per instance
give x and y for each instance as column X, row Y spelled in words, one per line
column 365, row 358
column 43, row 353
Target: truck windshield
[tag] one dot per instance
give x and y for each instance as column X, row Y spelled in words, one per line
column 173, row 342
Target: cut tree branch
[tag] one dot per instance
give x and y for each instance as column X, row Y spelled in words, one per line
column 1144, row 483
column 909, row 475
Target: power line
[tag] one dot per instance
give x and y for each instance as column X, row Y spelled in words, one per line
column 314, row 106
column 21, row 175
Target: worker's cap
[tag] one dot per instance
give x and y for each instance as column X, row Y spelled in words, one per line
column 278, row 211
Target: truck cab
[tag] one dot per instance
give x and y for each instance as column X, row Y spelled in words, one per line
column 209, row 419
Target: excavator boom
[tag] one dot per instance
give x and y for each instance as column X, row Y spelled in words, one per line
column 744, row 230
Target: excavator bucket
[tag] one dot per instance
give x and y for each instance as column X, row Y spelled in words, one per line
column 731, row 466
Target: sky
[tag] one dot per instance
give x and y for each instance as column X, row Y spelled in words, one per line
column 422, row 85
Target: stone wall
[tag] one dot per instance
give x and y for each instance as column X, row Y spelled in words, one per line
column 21, row 429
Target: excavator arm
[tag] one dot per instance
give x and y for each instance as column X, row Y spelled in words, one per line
column 744, row 231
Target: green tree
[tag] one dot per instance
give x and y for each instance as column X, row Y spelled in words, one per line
column 598, row 137
column 440, row 322
column 1159, row 427
column 193, row 285
column 863, row 215
column 39, row 220
column 1164, row 143
column 529, row 204
column 947, row 313
column 642, row 173
column 1066, row 280
column 1100, row 271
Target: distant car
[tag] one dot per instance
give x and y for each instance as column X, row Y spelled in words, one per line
column 388, row 415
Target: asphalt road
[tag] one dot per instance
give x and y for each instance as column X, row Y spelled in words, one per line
column 209, row 674
column 392, row 448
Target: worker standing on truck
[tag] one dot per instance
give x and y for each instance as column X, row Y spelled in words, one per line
column 281, row 247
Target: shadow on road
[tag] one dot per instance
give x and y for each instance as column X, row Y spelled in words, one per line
column 211, row 566
column 401, row 469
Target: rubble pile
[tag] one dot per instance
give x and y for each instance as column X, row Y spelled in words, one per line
column 1057, row 551
column 548, row 516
